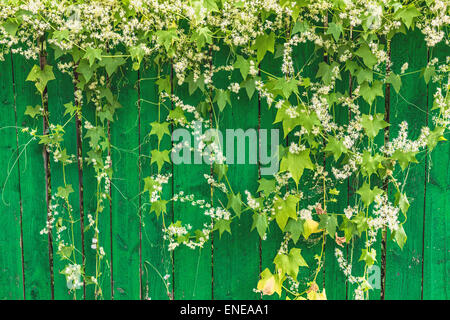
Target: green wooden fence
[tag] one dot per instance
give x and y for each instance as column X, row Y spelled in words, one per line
column 229, row 267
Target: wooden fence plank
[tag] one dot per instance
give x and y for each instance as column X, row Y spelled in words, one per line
column 404, row 267
column 11, row 277
column 436, row 267
column 125, row 189
column 35, row 245
column 335, row 280
column 236, row 261
column 192, row 268
column 271, row 245
column 156, row 259
column 60, row 92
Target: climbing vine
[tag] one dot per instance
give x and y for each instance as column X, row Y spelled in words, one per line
column 94, row 41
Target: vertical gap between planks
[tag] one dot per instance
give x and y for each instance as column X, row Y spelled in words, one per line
column 45, row 155
column 325, row 59
column 111, row 264
column 350, row 94
column 211, row 173
column 18, row 171
column 387, row 110
column 140, row 183
column 259, row 169
column 80, row 178
column 110, row 218
column 173, row 183
column 425, row 185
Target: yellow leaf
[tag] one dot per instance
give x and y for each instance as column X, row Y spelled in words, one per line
column 314, row 295
column 309, row 227
column 269, row 283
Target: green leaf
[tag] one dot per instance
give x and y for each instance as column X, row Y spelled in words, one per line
column 373, row 124
column 290, row 263
column 160, row 157
column 41, row 77
column 222, row 225
column 335, row 30
column 10, row 27
column 399, row 236
column 267, row 186
column 368, row 256
column 287, row 87
column 407, row 14
column 85, row 70
column 428, row 73
column 92, row 55
column 159, row 206
column 164, row 84
column 150, row 184
column 201, row 36
column 336, row 147
column 295, row 228
column 33, row 112
column 111, row 64
column 395, row 80
column 64, row 192
column 160, row 129
column 329, row 223
column 220, row 169
column 364, row 74
column 285, row 209
column 366, row 54
column 370, row 164
column 369, row 93
column 264, row 43
column 300, row 27
column 296, row 164
column 325, row 72
column 222, row 98
column 404, row 158
column 402, row 202
column 260, row 223
column 250, row 86
column 368, row 195
column 177, row 115
column 243, row 65
column 166, row 38
column 211, row 5
column 70, row 108
column 235, row 202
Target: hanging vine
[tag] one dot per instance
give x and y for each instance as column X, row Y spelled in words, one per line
column 93, row 41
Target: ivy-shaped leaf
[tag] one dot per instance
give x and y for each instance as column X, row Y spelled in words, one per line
column 373, row 124
column 160, row 157
column 367, row 194
column 296, row 163
column 290, row 263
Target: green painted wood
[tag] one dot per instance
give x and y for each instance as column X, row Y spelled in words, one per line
column 60, row 92
column 306, row 59
column 32, row 185
column 237, row 260
column 125, row 189
column 192, row 268
column 404, row 267
column 358, row 243
column 156, row 259
column 237, row 256
column 271, row 245
column 436, row 267
column 335, row 280
column 11, row 280
column 90, row 198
